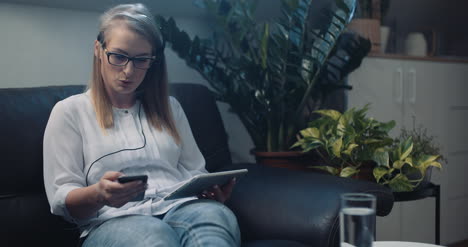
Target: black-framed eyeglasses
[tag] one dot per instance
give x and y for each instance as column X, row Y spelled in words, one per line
column 118, row 59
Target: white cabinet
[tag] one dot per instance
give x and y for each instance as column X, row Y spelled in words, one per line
column 433, row 94
column 404, row 91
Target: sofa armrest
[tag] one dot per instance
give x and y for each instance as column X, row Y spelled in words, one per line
column 277, row 203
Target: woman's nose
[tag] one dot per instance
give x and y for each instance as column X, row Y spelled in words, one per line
column 129, row 68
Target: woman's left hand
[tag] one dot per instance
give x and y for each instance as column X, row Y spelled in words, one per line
column 219, row 193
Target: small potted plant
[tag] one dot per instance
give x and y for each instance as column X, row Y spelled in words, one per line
column 347, row 143
column 352, row 143
column 412, row 155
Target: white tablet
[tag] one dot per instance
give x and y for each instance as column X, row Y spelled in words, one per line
column 197, row 184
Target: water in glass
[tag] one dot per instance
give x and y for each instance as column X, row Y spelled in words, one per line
column 357, row 220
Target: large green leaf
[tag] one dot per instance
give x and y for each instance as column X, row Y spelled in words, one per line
column 348, row 172
column 350, row 148
column 264, row 45
column 426, row 160
column 333, row 114
column 398, row 164
column 381, row 157
column 342, row 124
column 400, row 183
column 312, row 145
column 336, row 147
column 379, row 172
column 388, row 126
column 406, row 148
column 436, row 164
column 409, row 161
column 311, row 132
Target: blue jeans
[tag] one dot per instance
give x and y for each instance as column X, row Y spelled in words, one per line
column 193, row 223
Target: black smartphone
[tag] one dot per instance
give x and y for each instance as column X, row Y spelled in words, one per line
column 126, row 179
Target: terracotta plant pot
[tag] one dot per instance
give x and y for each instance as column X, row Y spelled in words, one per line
column 366, row 172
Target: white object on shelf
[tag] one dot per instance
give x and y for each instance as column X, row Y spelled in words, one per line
column 384, row 34
column 415, row 45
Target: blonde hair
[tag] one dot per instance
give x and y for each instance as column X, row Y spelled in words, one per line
column 154, row 88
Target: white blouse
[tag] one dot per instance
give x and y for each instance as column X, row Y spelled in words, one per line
column 77, row 153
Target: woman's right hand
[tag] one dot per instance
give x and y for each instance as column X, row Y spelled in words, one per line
column 114, row 194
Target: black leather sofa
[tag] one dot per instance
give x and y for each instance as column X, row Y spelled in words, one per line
column 274, row 206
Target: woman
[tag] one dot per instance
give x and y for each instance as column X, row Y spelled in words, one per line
column 126, row 124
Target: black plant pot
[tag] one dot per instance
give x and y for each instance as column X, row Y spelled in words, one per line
column 426, row 180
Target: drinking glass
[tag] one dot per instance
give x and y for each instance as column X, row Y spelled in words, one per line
column 357, row 220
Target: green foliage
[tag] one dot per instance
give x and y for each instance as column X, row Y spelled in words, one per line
column 413, row 152
column 404, row 161
column 346, row 141
column 268, row 72
column 423, row 142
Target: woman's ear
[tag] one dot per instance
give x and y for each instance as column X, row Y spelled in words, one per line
column 97, row 49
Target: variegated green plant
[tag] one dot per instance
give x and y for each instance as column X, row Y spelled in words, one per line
column 346, row 141
column 400, row 160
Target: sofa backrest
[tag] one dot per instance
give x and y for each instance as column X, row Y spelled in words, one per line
column 24, row 209
column 205, row 121
column 24, row 114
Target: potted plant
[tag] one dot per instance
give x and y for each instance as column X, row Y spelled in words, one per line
column 352, row 142
column 272, row 74
column 423, row 154
column 347, row 143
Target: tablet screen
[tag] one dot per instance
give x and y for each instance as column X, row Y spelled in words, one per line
column 201, row 182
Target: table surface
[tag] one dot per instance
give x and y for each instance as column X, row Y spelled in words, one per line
column 395, row 244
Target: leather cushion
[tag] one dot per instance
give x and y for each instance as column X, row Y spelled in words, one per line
column 25, row 112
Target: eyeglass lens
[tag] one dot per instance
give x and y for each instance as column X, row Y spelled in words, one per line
column 122, row 60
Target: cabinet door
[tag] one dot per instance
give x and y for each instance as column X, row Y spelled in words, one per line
column 379, row 82
column 431, row 94
column 454, row 176
column 425, row 96
column 439, row 102
column 425, row 105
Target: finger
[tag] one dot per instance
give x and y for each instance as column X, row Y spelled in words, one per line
column 112, row 175
column 134, row 184
column 118, row 192
column 202, row 196
column 227, row 188
column 116, row 187
column 134, row 190
column 219, row 194
column 121, row 199
column 207, row 195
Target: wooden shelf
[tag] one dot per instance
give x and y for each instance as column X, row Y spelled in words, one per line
column 426, row 58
